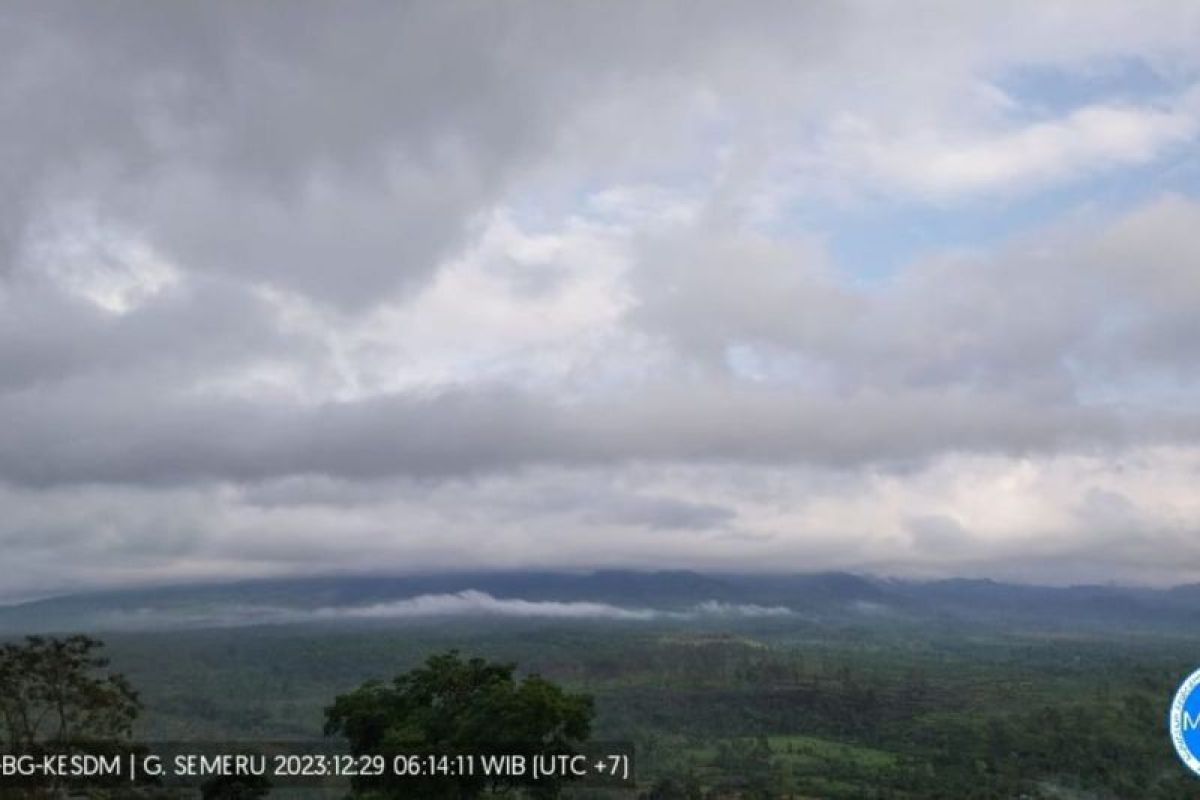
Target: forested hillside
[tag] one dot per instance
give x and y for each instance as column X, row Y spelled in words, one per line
column 768, row 709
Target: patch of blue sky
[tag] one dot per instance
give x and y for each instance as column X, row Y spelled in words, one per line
column 873, row 238
column 876, row 240
column 1042, row 90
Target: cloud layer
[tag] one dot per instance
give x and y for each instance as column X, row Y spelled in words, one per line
column 285, row 289
column 466, row 604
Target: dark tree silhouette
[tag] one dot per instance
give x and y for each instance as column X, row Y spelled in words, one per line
column 56, row 691
column 235, row 787
column 58, row 697
column 454, row 707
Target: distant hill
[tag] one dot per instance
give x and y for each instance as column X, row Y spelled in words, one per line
column 620, row 595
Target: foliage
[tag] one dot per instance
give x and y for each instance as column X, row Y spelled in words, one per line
column 55, row 691
column 897, row 711
column 450, row 707
column 57, row 698
column 239, row 787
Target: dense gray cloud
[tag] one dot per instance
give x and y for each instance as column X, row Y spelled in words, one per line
column 561, row 284
column 338, row 151
column 126, row 436
column 1008, row 354
column 1096, row 299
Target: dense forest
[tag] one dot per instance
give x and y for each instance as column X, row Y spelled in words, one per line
column 754, row 709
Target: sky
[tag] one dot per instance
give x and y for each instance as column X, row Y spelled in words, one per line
column 900, row 288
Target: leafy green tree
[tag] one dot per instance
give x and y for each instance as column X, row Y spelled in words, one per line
column 58, row 697
column 57, row 691
column 453, row 707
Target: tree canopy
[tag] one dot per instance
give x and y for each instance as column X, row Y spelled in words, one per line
column 453, row 706
column 57, row 691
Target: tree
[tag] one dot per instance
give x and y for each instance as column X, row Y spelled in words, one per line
column 674, row 788
column 453, row 707
column 56, row 697
column 55, row 691
column 235, row 787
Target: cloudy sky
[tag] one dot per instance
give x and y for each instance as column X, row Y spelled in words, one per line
column 908, row 288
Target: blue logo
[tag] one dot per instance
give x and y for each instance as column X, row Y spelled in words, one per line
column 1185, row 722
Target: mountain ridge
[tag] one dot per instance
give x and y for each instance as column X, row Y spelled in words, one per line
column 619, row 593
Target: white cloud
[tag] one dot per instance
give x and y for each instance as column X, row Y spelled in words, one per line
column 473, row 602
column 436, row 285
column 110, row 268
column 1126, row 512
column 469, row 604
column 938, row 162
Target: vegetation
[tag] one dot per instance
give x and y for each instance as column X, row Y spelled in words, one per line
column 235, row 787
column 744, row 709
column 57, row 698
column 55, row 691
column 454, row 707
